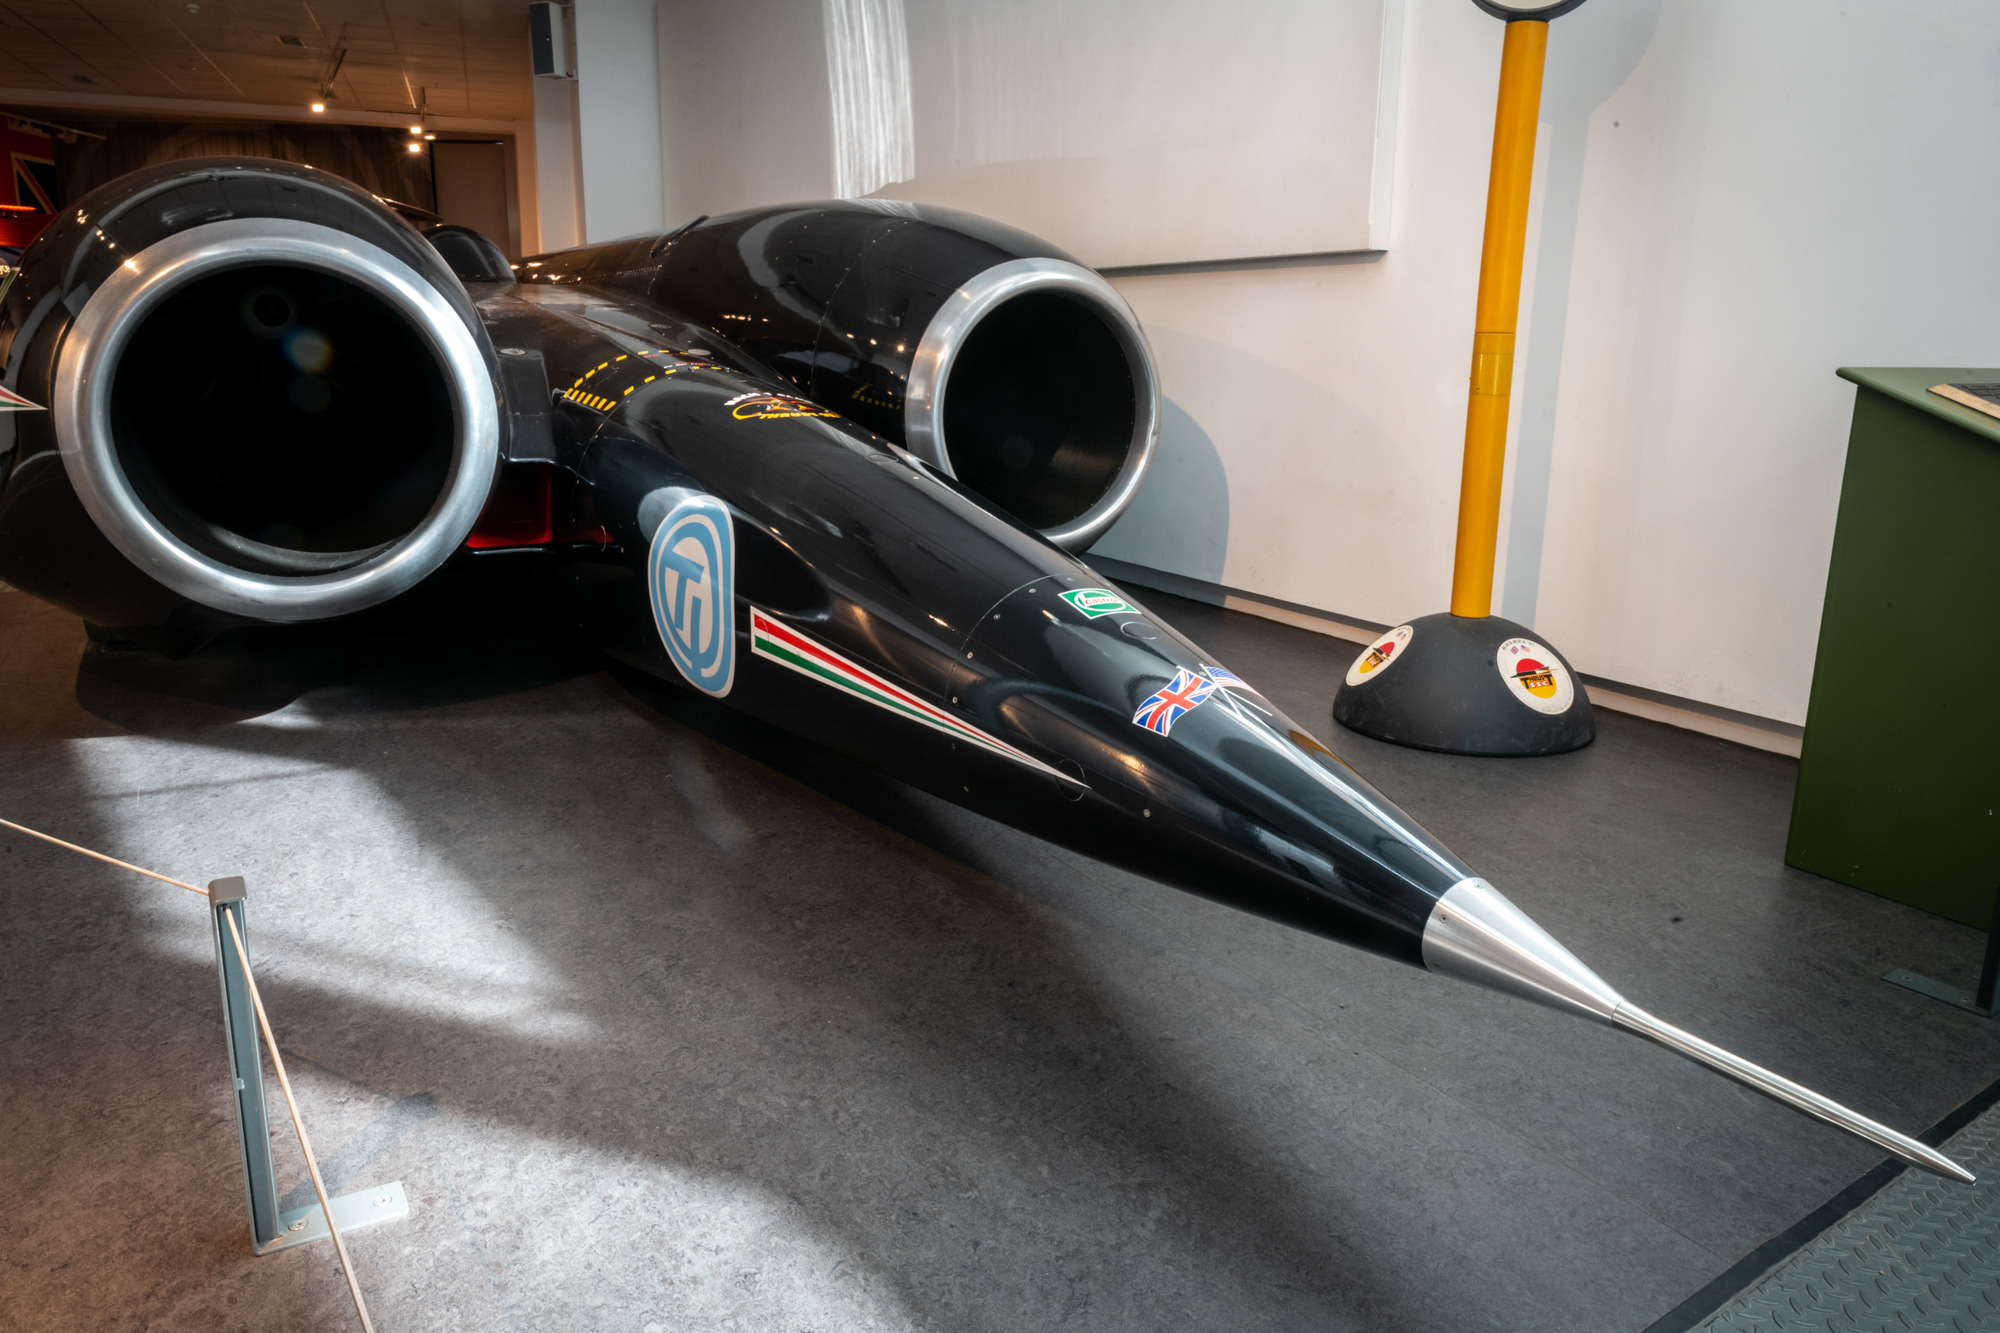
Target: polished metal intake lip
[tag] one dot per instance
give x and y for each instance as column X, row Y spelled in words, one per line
column 945, row 337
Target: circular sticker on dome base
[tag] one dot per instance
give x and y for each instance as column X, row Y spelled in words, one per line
column 1380, row 655
column 1535, row 676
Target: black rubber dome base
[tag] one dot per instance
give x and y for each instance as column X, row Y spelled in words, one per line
column 1465, row 686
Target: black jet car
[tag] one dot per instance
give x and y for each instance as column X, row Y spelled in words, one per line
column 826, row 463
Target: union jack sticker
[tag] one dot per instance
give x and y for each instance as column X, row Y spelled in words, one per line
column 1165, row 707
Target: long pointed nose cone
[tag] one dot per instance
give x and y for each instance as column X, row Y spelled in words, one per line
column 1232, row 800
column 1476, row 935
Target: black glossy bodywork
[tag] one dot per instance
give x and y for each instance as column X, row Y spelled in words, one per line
column 830, row 297
column 730, row 364
column 833, row 299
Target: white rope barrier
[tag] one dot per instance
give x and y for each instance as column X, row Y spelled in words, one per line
column 270, row 1044
column 108, row 860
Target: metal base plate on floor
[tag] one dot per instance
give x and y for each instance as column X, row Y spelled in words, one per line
column 363, row 1208
column 1937, row 990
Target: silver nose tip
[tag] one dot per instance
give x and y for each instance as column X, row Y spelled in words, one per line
column 1476, row 935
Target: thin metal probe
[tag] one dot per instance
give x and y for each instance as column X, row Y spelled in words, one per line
column 1779, row 1088
column 1477, row 935
column 291, row 1104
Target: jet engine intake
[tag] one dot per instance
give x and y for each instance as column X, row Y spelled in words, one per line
column 993, row 356
column 276, row 419
column 267, row 395
column 1033, row 386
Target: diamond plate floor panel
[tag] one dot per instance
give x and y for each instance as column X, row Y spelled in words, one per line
column 1922, row 1254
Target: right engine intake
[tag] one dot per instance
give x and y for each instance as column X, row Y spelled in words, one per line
column 994, row 357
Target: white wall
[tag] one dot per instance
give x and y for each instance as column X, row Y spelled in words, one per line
column 1788, row 189
column 1732, row 200
column 1133, row 132
column 717, row 96
column 618, row 117
column 555, row 168
column 1123, row 131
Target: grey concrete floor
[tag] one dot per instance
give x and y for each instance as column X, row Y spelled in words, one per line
column 669, row 1022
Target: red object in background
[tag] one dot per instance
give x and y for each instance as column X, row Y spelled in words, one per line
column 518, row 512
column 31, row 174
column 18, row 226
column 28, row 196
column 536, row 504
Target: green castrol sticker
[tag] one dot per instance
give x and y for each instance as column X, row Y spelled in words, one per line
column 1095, row 602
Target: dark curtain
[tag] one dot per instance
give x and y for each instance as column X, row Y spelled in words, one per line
column 378, row 160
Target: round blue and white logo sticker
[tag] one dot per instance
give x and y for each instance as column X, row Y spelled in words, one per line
column 691, row 573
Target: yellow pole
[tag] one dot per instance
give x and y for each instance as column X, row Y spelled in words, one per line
column 1499, row 307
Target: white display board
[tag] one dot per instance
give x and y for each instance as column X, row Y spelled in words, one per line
column 1130, row 132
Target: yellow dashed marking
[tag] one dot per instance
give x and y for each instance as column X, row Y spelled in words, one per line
column 595, row 402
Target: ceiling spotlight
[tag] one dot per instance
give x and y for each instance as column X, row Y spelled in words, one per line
column 430, row 136
column 416, row 148
column 416, row 129
column 319, row 106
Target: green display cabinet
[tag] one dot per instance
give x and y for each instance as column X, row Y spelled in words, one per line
column 1899, row 779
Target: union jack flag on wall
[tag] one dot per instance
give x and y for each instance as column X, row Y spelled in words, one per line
column 1164, row 708
column 31, row 173
column 30, row 183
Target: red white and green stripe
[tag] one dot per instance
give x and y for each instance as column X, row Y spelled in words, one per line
column 787, row 647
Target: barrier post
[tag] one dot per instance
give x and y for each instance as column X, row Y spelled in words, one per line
column 271, row 1230
column 1466, row 681
column 246, row 1065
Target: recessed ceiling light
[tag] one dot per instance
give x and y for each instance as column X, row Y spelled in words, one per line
column 319, row 106
column 416, row 129
column 289, row 40
column 416, row 148
column 83, row 78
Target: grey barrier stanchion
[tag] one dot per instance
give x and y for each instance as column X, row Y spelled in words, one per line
column 271, row 1230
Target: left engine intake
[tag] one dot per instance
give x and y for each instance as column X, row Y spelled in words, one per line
column 269, row 393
